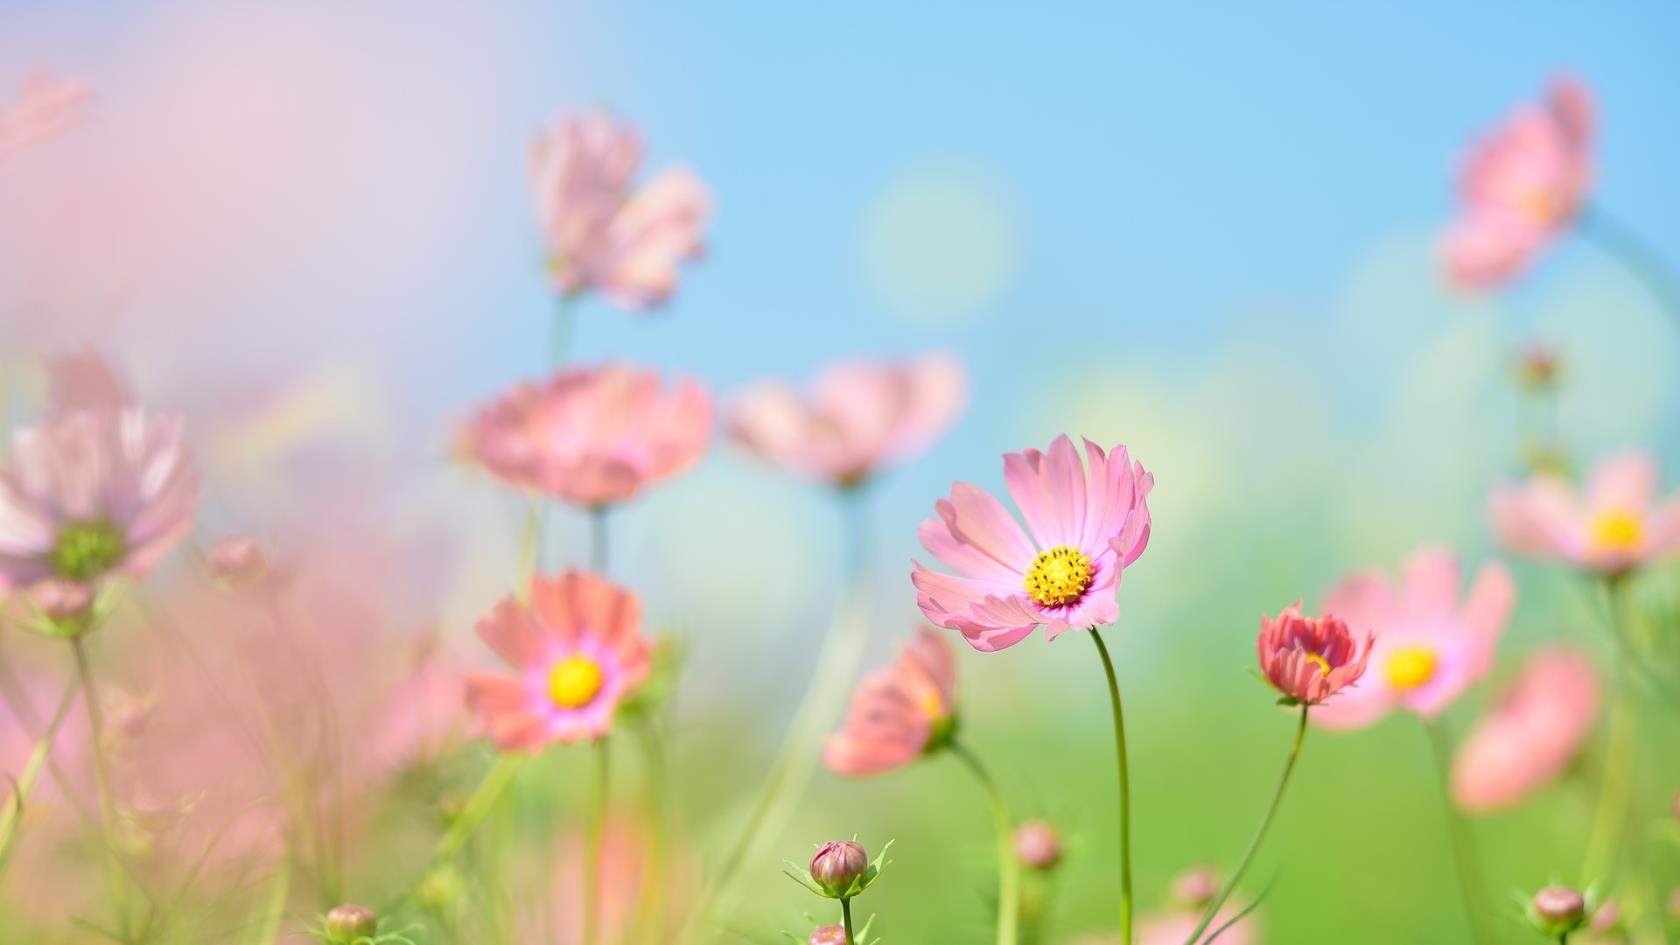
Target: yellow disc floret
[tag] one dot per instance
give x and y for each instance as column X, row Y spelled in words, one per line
column 574, row 682
column 1058, row 576
column 1319, row 661
column 1411, row 666
column 1616, row 530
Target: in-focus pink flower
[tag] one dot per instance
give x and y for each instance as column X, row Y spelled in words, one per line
column 857, row 417
column 1310, row 659
column 1429, row 646
column 592, row 435
column 899, row 712
column 602, row 235
column 1521, row 185
column 576, row 649
column 1616, row 526
column 1085, row 523
column 1531, row 735
column 45, row 107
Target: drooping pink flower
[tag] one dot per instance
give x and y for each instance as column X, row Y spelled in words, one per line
column 1616, row 526
column 1429, row 646
column 576, row 650
column 1521, row 185
column 592, row 435
column 899, row 712
column 1531, row 735
column 45, row 107
column 600, row 233
column 857, row 417
column 1085, row 523
column 1310, row 659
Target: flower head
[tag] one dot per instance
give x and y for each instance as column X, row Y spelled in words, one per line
column 1615, row 526
column 350, row 924
column 1309, row 659
column 45, row 107
column 592, row 435
column 576, row 650
column 899, row 713
column 1557, row 910
column 837, row 865
column 1429, row 646
column 1085, row 523
column 600, row 233
column 857, row 417
column 1533, row 732
column 1038, row 844
column 1523, row 183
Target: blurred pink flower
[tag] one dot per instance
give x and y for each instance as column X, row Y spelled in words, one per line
column 577, row 650
column 857, row 417
column 898, row 712
column 1310, row 659
column 625, row 875
column 84, row 380
column 1038, row 844
column 828, row 935
column 1173, row 926
column 1086, row 521
column 237, row 561
column 44, row 108
column 1615, row 527
column 1521, row 185
column 592, row 436
column 1532, row 733
column 1429, row 647
column 600, row 234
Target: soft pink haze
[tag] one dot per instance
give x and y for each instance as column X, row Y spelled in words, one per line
column 1614, row 525
column 45, row 107
column 1533, row 732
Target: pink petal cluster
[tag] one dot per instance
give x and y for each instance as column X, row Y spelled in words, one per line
column 857, row 417
column 45, row 107
column 1533, row 732
column 1615, row 526
column 1310, row 659
column 592, row 435
column 897, row 711
column 600, row 233
column 577, row 619
column 1085, row 522
column 1522, row 184
column 1429, row 646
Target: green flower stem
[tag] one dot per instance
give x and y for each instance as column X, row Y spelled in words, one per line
column 1470, row 885
column 1636, row 255
column 592, row 850
column 1125, row 790
column 1259, row 832
column 32, row 771
column 653, row 910
column 1009, row 870
column 115, row 881
column 274, row 912
column 477, row 808
column 846, row 919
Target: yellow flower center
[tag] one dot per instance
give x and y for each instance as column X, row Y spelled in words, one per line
column 1616, row 530
column 1319, row 661
column 1411, row 667
column 1058, row 576
column 574, row 682
column 932, row 706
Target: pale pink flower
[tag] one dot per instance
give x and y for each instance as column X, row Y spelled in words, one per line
column 84, row 380
column 592, row 435
column 1085, row 523
column 1521, row 185
column 576, row 649
column 45, row 107
column 899, row 712
column 857, row 417
column 600, row 233
column 828, row 935
column 1429, row 645
column 1310, row 659
column 1615, row 526
column 1531, row 735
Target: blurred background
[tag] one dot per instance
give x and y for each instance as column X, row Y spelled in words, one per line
column 1210, row 235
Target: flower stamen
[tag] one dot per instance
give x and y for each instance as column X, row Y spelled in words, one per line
column 1058, row 576
column 86, row 550
column 1617, row 530
column 1411, row 666
column 575, row 681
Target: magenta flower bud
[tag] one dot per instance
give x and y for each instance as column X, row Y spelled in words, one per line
column 1038, row 845
column 1196, row 887
column 237, row 560
column 828, row 935
column 837, row 866
column 1557, row 911
column 349, row 924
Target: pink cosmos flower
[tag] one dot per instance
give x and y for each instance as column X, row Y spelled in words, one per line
column 899, row 712
column 1310, row 659
column 1532, row 733
column 1522, row 184
column 601, row 235
column 576, row 650
column 1085, row 523
column 1615, row 527
column 45, row 107
column 592, row 435
column 857, row 417
column 1429, row 647
column 828, row 935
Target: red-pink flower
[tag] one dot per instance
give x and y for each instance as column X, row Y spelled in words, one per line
column 592, row 435
column 576, row 650
column 857, row 417
column 1521, row 185
column 1531, row 735
column 600, row 233
column 1617, row 525
column 45, row 107
column 1309, row 659
column 1084, row 524
column 1429, row 645
column 899, row 712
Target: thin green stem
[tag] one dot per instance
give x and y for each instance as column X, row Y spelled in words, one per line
column 1009, row 870
column 1635, row 254
column 102, row 776
column 592, row 852
column 275, row 910
column 1469, row 869
column 1125, row 790
column 846, row 919
column 32, row 771
column 466, row 823
column 653, row 901
column 598, row 539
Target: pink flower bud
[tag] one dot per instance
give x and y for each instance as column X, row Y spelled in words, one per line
column 237, row 560
column 1038, row 845
column 837, row 865
column 350, row 924
column 1196, row 887
column 1557, row 910
column 828, row 935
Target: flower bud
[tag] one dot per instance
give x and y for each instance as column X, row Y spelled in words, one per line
column 1196, row 887
column 1538, row 368
column 837, row 866
column 1607, row 918
column 1557, row 910
column 1674, row 805
column 828, row 935
column 1038, row 845
column 237, row 561
column 350, row 924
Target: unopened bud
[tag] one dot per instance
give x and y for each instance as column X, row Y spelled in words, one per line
column 1538, row 368
column 237, row 561
column 1557, row 911
column 828, row 935
column 837, row 866
column 1038, row 845
column 350, row 924
column 1196, row 887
